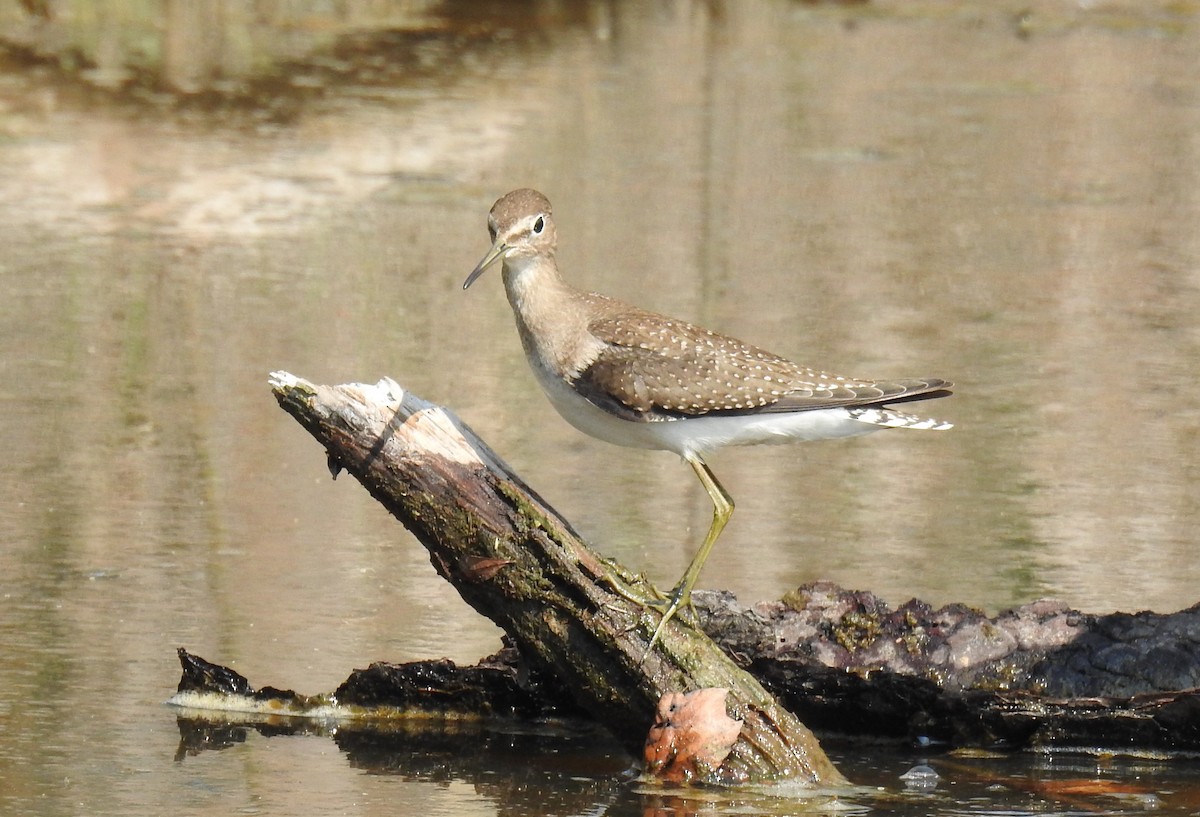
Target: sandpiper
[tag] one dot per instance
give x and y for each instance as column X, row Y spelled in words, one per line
column 639, row 379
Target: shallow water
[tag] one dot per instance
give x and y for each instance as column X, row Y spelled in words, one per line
column 1003, row 197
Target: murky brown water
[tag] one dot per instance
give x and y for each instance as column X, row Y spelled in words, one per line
column 974, row 190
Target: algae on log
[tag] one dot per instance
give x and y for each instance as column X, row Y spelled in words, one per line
column 571, row 613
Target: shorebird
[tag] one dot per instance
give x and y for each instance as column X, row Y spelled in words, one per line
column 639, row 379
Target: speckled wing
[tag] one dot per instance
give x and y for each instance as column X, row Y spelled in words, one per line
column 651, row 367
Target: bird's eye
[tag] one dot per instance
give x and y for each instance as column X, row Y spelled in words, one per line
column 539, row 225
column 492, row 232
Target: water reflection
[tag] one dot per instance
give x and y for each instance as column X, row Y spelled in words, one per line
column 513, row 765
column 1004, row 199
column 554, row 771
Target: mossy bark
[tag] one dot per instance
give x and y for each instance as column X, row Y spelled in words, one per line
column 573, row 614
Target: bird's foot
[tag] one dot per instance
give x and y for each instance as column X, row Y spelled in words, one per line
column 668, row 606
column 680, row 599
column 638, row 591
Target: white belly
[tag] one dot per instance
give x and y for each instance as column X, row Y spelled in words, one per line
column 698, row 435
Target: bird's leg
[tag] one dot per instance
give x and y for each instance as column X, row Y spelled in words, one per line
column 722, row 510
column 621, row 587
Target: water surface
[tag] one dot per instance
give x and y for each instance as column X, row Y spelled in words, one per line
column 1001, row 196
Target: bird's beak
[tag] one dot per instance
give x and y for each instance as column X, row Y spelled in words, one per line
column 494, row 254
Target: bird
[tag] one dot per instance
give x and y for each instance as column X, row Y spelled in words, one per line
column 639, row 379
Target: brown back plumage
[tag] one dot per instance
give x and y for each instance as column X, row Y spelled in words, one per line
column 651, row 365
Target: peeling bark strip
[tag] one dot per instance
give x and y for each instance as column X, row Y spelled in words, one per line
column 569, row 611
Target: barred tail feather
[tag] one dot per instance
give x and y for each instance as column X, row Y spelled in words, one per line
column 890, row 418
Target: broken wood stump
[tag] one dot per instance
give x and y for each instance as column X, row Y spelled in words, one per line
column 574, row 616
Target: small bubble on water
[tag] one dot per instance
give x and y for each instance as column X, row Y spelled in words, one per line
column 920, row 777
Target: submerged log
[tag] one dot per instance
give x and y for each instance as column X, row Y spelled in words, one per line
column 1041, row 676
column 574, row 616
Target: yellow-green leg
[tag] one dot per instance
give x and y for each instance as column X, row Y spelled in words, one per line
column 722, row 510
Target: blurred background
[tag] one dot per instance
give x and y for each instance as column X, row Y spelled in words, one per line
column 194, row 193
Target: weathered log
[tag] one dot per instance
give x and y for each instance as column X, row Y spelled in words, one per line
column 573, row 615
column 1040, row 676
